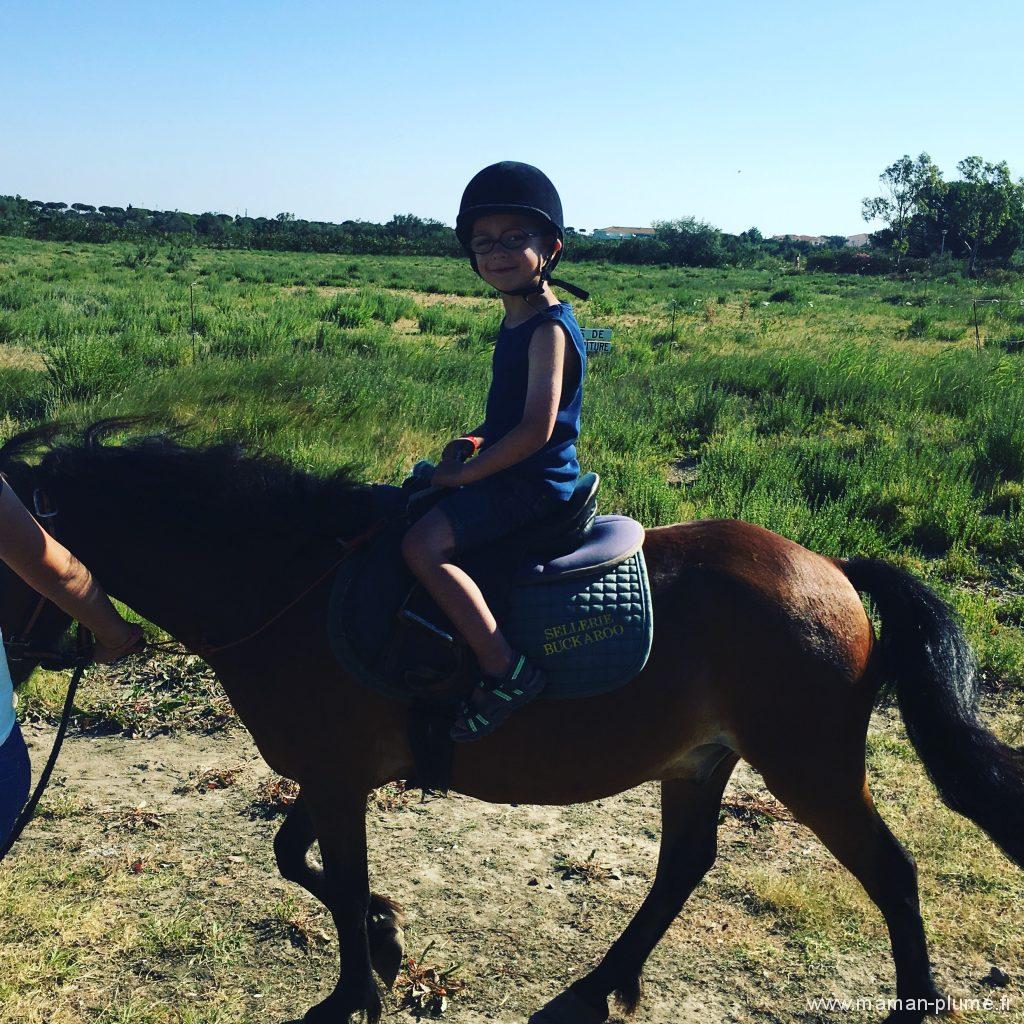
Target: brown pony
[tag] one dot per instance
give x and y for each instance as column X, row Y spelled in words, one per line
column 762, row 651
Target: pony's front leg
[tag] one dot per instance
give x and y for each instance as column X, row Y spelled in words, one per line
column 384, row 918
column 339, row 820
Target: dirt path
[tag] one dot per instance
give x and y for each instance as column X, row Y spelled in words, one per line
column 203, row 919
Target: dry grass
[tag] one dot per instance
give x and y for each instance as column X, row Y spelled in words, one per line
column 274, row 796
column 106, row 915
column 392, row 796
column 587, row 869
column 19, row 357
column 219, row 777
column 756, row 811
column 426, row 990
column 304, row 927
column 135, row 819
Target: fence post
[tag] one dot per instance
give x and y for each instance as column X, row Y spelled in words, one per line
column 192, row 312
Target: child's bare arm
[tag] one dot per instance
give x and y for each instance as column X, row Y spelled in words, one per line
column 544, row 387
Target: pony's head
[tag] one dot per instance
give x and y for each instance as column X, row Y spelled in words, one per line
column 135, row 508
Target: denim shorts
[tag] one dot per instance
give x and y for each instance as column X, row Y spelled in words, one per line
column 491, row 508
column 15, row 776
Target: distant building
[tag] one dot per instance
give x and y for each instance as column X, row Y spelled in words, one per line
column 813, row 239
column 853, row 241
column 617, row 232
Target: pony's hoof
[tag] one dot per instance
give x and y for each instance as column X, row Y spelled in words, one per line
column 568, row 1008
column 387, row 948
column 337, row 1008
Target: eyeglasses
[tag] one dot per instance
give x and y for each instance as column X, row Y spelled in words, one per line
column 513, row 240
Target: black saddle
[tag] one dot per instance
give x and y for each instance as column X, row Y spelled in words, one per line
column 375, row 592
column 570, row 591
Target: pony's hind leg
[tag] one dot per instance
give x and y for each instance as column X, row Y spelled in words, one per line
column 836, row 805
column 689, row 845
column 384, row 918
column 292, row 844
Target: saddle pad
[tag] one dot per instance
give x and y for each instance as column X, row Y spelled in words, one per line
column 590, row 631
column 588, row 634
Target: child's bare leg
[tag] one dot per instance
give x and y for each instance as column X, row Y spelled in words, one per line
column 427, row 548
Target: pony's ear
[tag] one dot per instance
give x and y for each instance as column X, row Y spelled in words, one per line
column 28, row 442
column 96, row 433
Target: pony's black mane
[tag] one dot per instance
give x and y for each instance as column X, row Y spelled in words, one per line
column 214, row 486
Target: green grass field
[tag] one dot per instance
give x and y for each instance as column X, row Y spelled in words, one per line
column 854, row 415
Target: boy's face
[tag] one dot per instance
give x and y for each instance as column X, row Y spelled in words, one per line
column 509, row 270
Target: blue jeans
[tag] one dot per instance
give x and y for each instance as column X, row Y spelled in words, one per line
column 15, row 777
column 491, row 508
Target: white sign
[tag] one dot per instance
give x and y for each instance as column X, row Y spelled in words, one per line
column 597, row 339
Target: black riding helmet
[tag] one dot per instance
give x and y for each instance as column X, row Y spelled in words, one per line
column 514, row 187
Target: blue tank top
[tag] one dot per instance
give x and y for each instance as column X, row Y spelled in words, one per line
column 555, row 464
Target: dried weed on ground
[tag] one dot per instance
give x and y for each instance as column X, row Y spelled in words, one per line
column 426, row 989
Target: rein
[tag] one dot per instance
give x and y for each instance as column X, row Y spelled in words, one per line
column 204, row 649
column 29, row 809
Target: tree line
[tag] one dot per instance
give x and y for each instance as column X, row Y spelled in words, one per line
column 979, row 214
column 682, row 242
column 978, row 217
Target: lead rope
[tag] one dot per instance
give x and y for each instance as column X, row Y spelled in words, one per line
column 81, row 661
column 29, row 809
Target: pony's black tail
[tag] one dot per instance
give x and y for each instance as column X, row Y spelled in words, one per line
column 927, row 658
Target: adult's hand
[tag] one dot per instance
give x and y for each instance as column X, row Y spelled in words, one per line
column 112, row 648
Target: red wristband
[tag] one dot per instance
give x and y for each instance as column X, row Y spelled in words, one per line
column 473, row 440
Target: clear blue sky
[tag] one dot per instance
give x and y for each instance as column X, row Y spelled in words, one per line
column 779, row 115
